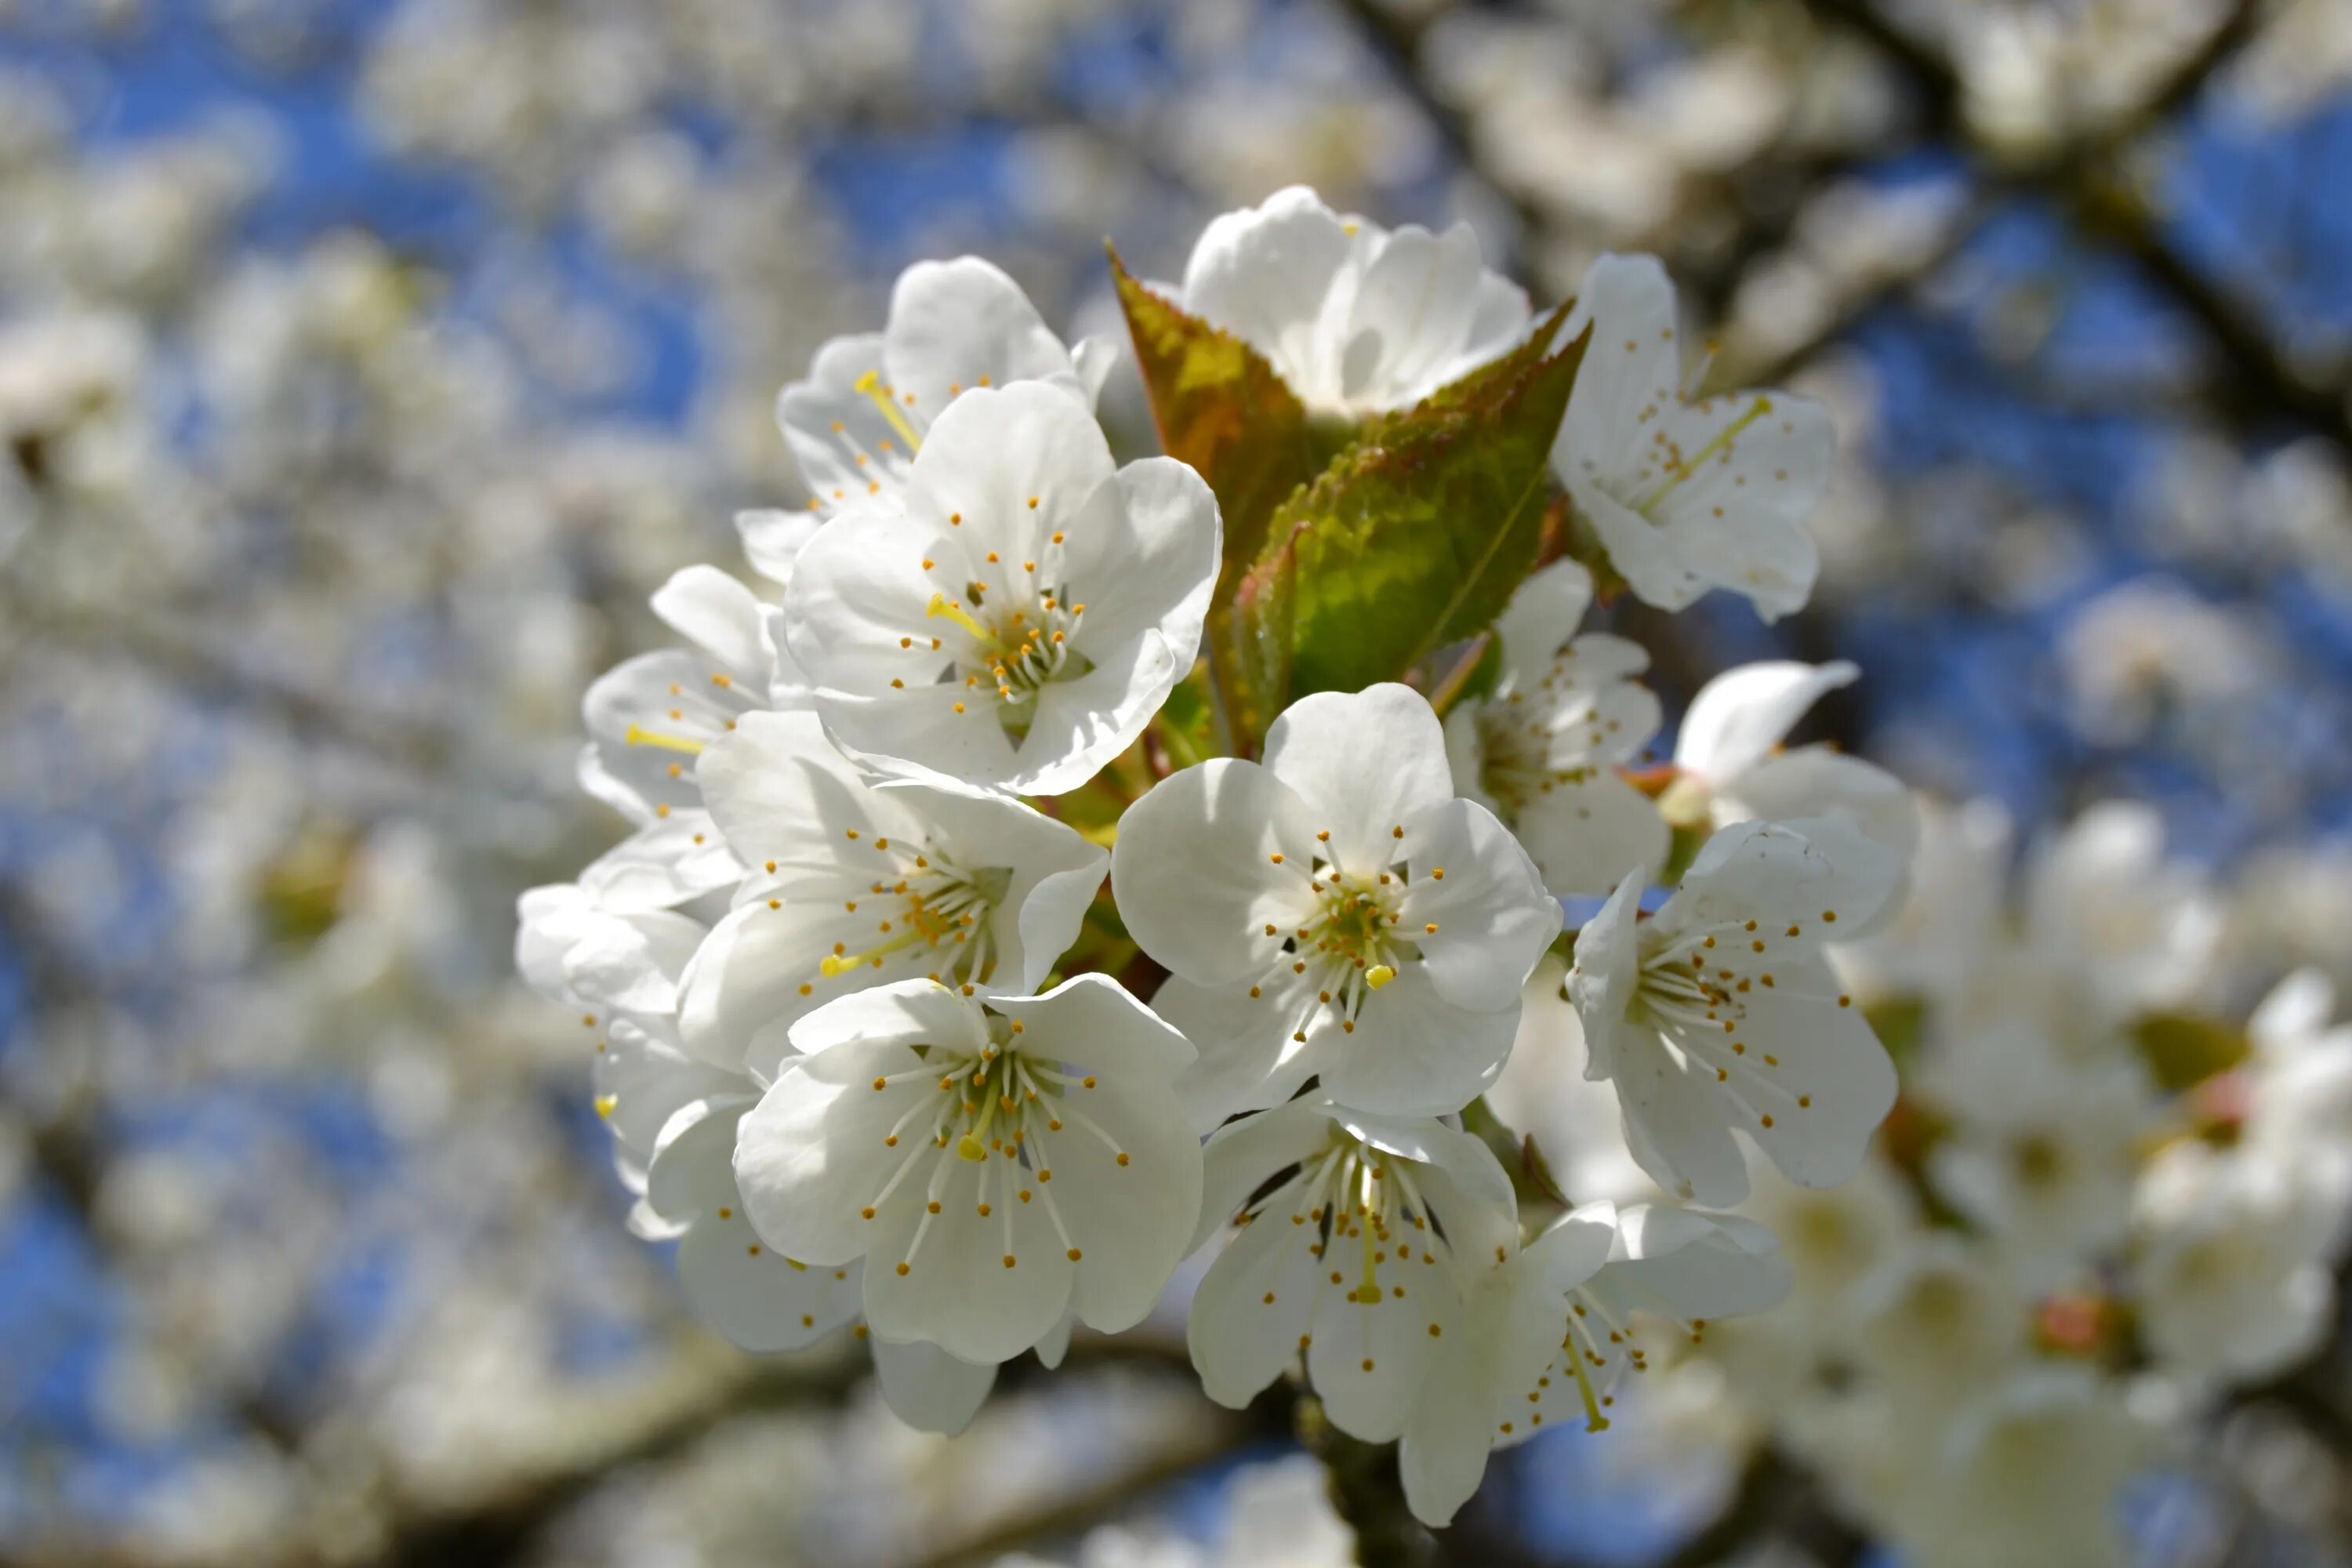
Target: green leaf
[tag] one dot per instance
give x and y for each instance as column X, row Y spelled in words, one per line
column 1414, row 537
column 2183, row 1049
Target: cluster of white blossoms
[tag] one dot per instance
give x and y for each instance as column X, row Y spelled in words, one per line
column 2113, row 1195
column 867, row 1040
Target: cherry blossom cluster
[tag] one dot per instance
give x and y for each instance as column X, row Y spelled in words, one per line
column 2113, row 1195
column 909, row 837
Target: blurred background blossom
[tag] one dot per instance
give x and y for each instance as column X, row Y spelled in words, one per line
column 364, row 363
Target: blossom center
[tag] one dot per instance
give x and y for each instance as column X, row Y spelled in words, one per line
column 998, row 1109
column 1365, row 1214
column 1515, row 748
column 925, row 906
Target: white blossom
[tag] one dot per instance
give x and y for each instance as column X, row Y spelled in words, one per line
column 1686, row 496
column 1549, row 1331
column 1335, row 911
column 996, row 1159
column 1541, row 751
column 1356, row 318
column 2232, row 1262
column 2027, row 1472
column 649, row 719
column 856, row 423
column 2050, row 1180
column 1355, row 1235
column 1019, row 611
column 2298, row 1084
column 854, row 884
column 1730, row 765
column 2123, row 931
column 1722, row 1013
column 674, row 1120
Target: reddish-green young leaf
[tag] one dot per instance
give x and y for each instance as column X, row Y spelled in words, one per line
column 1219, row 407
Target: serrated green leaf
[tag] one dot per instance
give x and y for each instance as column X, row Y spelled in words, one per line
column 1414, row 537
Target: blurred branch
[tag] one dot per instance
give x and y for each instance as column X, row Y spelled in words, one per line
column 501, row 1524
column 2089, row 181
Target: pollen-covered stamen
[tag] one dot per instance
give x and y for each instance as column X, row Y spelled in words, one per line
column 1352, row 1206
column 924, row 902
column 990, row 1107
column 1018, row 643
column 1679, row 468
column 1353, row 944
column 1515, row 746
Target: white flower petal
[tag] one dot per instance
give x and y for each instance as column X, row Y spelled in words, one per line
column 812, row 1157
column 1206, row 862
column 1055, row 872
column 1247, row 1060
column 958, row 1292
column 1738, row 718
column 1607, row 968
column 1633, row 364
column 673, row 861
column 1413, row 1052
column 1674, row 1119
column 1541, row 618
column 1821, row 872
column 780, row 791
column 751, row 1293
column 929, row 1389
column 646, row 718
column 1369, row 1359
column 1091, row 1021
column 915, row 1012
column 1586, row 838
column 720, row 617
column 1260, row 271
column 1364, row 763
column 1411, row 315
column 1812, row 781
column 1700, row 1266
column 692, row 1172
column 959, row 324
column 1243, row 1155
column 1482, row 928
column 1131, row 1220
column 1254, row 1304
column 772, row 539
